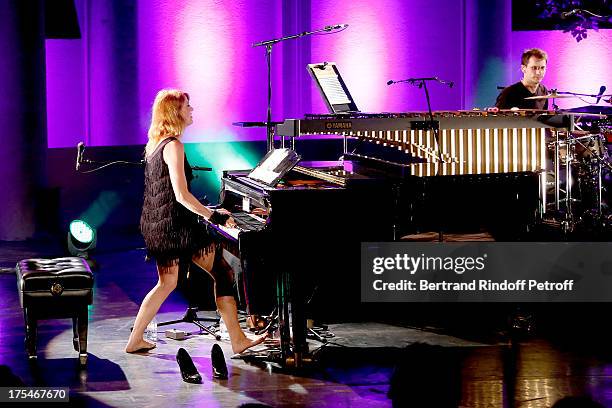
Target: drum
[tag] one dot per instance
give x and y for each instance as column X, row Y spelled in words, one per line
column 586, row 148
column 606, row 132
column 564, row 156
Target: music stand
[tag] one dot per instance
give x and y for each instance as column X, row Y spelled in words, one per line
column 332, row 87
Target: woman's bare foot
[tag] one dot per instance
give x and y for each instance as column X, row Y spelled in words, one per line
column 139, row 346
column 243, row 343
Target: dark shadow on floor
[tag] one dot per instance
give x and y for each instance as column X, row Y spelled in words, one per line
column 98, row 375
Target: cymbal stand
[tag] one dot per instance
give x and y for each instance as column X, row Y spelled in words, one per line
column 601, row 162
column 566, row 218
column 557, row 170
column 568, row 223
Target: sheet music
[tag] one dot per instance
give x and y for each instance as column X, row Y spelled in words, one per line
column 265, row 175
column 331, row 86
column 334, row 91
column 274, row 165
column 266, row 171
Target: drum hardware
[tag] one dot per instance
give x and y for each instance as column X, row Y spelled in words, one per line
column 598, row 160
column 585, row 154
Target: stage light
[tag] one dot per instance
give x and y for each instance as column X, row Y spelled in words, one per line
column 81, row 238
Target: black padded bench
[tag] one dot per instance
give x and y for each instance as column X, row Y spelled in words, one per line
column 55, row 288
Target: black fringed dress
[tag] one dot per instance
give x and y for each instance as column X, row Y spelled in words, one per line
column 171, row 232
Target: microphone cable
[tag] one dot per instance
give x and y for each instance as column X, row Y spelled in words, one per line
column 140, row 163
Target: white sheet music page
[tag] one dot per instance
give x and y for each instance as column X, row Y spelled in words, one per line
column 265, row 171
column 331, row 85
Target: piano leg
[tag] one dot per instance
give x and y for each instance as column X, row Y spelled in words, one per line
column 292, row 319
column 283, row 313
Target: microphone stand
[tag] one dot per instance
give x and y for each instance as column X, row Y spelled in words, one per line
column 268, row 44
column 106, row 163
column 435, row 128
column 422, row 83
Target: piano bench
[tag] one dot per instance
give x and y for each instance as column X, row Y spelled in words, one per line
column 55, row 288
column 449, row 237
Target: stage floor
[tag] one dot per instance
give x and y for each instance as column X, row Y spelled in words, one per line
column 368, row 364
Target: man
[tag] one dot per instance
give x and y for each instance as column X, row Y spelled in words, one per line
column 533, row 66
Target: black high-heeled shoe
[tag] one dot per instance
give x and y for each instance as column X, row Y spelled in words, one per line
column 219, row 368
column 189, row 372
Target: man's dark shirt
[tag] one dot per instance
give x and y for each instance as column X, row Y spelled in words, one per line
column 514, row 96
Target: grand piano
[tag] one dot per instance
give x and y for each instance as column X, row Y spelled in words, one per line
column 303, row 259
column 308, row 243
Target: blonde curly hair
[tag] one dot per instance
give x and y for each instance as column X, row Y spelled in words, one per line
column 166, row 118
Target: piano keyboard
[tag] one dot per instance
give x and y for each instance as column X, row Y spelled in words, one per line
column 244, row 222
column 248, row 222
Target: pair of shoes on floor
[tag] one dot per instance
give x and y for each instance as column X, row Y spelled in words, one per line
column 190, row 373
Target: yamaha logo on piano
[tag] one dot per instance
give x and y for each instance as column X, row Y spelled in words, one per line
column 339, row 125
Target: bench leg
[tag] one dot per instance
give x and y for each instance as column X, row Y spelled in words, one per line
column 30, row 332
column 75, row 333
column 82, row 323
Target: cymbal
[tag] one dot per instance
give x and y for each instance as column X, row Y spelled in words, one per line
column 583, row 115
column 551, row 96
column 592, row 109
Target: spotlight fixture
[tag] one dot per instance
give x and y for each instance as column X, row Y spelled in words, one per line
column 81, row 238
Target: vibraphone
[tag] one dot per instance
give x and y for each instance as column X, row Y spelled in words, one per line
column 471, row 142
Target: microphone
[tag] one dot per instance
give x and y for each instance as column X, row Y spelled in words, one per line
column 602, row 89
column 335, row 27
column 201, row 168
column 570, row 13
column 410, row 80
column 79, row 159
column 420, row 81
column 443, row 82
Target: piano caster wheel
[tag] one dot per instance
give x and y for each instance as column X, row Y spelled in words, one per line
column 298, row 360
column 290, row 362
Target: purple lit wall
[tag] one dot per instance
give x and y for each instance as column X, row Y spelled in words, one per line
column 100, row 88
column 493, row 53
column 577, row 67
column 66, row 97
column 204, row 47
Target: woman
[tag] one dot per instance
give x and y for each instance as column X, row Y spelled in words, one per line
column 169, row 222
